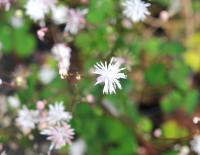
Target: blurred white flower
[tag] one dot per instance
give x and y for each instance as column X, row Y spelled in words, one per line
column 1, row 81
column 61, row 50
column 13, row 101
column 6, row 4
column 196, row 119
column 184, row 150
column 59, row 135
column 195, row 144
column 3, row 153
column 59, row 14
column 36, row 9
column 63, row 55
column 75, row 20
column 3, row 105
column 50, row 3
column 78, row 147
column 57, row 114
column 136, row 10
column 109, row 75
column 27, row 119
column 46, row 74
column 16, row 21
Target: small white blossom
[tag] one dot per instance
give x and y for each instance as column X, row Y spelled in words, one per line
column 59, row 14
column 59, row 135
column 109, row 75
column 184, row 150
column 136, row 10
column 46, row 75
column 6, row 4
column 75, row 21
column 27, row 119
column 78, row 147
column 36, row 9
column 196, row 119
column 3, row 153
column 195, row 144
column 1, row 81
column 14, row 101
column 16, row 22
column 61, row 50
column 57, row 114
column 50, row 3
column 63, row 55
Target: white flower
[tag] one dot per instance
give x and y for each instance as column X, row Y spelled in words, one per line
column 57, row 114
column 184, row 150
column 78, row 147
column 16, row 22
column 75, row 21
column 109, row 75
column 61, row 50
column 3, row 153
column 6, row 4
column 195, row 144
column 36, row 9
column 27, row 119
column 50, row 3
column 14, row 101
column 46, row 74
column 1, row 81
column 63, row 55
column 59, row 14
column 136, row 10
column 59, row 135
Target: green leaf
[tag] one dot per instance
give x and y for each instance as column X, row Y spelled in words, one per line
column 152, row 46
column 179, row 75
column 6, row 38
column 100, row 10
column 94, row 40
column 171, row 129
column 145, row 124
column 24, row 43
column 191, row 100
column 156, row 74
column 171, row 101
column 171, row 48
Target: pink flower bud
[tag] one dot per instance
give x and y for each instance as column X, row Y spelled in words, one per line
column 90, row 98
column 41, row 33
column 40, row 105
column 164, row 15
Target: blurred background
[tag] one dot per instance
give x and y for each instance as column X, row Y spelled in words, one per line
column 155, row 113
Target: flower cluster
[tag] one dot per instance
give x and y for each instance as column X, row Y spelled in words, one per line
column 38, row 9
column 52, row 122
column 62, row 54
